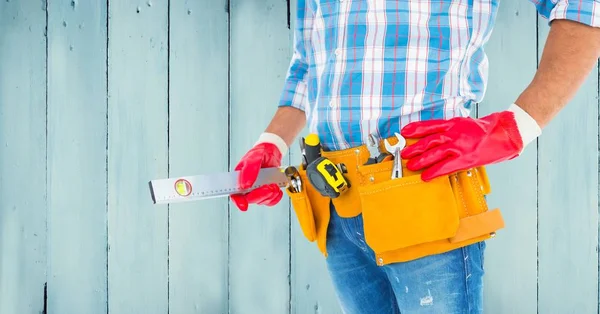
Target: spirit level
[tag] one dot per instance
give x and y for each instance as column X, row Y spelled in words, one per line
column 201, row 187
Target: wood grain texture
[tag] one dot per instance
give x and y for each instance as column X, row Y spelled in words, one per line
column 511, row 257
column 259, row 238
column 86, row 226
column 22, row 157
column 198, row 137
column 77, row 235
column 138, row 153
column 568, row 203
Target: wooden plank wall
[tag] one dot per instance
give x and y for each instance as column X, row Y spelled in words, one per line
column 511, row 258
column 76, row 157
column 137, row 149
column 97, row 98
column 568, row 203
column 23, row 165
column 198, row 89
column 259, row 261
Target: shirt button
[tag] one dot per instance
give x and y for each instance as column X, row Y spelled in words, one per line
column 338, row 52
column 332, row 104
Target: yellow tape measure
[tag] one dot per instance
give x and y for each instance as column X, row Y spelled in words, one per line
column 327, row 178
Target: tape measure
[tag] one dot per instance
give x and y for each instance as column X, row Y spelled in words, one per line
column 327, row 178
column 323, row 175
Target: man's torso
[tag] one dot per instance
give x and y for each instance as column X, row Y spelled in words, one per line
column 376, row 65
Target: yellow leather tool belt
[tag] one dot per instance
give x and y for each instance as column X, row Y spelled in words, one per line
column 404, row 218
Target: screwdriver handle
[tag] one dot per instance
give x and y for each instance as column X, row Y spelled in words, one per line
column 312, row 147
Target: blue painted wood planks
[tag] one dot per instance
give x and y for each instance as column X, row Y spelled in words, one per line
column 511, row 257
column 259, row 260
column 568, row 202
column 98, row 98
column 23, row 197
column 77, row 177
column 137, row 152
column 198, row 144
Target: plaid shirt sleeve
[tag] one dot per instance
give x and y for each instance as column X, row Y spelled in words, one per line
column 295, row 91
column 583, row 11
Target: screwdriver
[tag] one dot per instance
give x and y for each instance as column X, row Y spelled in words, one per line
column 312, row 147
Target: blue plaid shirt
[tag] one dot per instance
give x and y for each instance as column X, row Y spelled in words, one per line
column 370, row 67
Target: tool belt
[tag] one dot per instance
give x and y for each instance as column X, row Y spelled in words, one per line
column 404, row 218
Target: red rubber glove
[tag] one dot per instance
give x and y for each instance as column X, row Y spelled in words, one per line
column 447, row 146
column 262, row 155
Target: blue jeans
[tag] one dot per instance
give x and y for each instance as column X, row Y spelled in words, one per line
column 446, row 283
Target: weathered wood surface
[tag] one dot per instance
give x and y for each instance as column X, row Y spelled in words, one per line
column 259, row 260
column 23, row 197
column 77, row 172
column 511, row 257
column 137, row 153
column 198, row 143
column 98, row 98
column 568, row 203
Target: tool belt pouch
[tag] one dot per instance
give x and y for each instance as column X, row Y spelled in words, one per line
column 404, row 218
column 312, row 211
column 407, row 212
